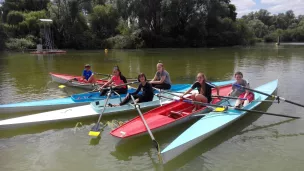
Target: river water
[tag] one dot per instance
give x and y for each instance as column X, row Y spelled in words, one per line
column 255, row 142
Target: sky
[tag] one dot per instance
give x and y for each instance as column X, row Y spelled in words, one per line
column 273, row 6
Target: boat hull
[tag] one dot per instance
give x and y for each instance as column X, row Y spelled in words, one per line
column 67, row 80
column 85, row 111
column 212, row 123
column 163, row 117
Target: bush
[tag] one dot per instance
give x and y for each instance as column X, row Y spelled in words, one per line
column 3, row 37
column 14, row 17
column 124, row 42
column 19, row 44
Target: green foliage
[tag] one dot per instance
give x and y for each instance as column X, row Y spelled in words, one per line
column 258, row 27
column 123, row 28
column 104, row 20
column 91, row 24
column 3, row 37
column 14, row 17
column 19, row 44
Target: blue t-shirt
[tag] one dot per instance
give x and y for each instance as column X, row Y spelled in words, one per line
column 87, row 74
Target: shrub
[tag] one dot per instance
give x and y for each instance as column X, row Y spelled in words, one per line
column 19, row 44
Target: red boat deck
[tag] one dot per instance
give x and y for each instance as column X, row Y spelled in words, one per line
column 162, row 116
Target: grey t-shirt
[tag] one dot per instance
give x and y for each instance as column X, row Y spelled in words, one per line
column 164, row 73
column 238, row 90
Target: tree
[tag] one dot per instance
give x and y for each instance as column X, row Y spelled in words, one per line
column 104, row 21
column 258, row 27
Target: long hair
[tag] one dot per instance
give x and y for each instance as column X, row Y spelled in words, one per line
column 141, row 75
column 161, row 64
column 203, row 87
column 117, row 69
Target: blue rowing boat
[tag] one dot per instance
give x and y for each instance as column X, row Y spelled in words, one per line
column 72, row 101
column 213, row 122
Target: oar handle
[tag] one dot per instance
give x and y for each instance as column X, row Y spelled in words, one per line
column 276, row 97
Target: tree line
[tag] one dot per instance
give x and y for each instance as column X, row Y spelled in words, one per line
column 96, row 24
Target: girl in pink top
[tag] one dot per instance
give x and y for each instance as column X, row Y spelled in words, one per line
column 116, row 80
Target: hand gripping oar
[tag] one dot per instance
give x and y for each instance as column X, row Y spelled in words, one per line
column 269, row 95
column 148, row 129
column 220, row 108
column 95, row 130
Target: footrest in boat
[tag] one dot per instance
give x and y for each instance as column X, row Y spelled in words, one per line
column 175, row 115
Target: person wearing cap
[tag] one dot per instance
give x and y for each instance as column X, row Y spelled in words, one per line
column 87, row 74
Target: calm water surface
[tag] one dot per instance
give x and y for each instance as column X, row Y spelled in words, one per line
column 256, row 142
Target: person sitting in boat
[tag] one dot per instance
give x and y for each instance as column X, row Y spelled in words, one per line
column 204, row 90
column 116, row 80
column 240, row 92
column 146, row 95
column 87, row 74
column 161, row 79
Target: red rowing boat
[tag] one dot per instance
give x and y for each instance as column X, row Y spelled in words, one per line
column 165, row 116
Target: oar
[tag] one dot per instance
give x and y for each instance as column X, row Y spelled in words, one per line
column 221, row 108
column 95, row 130
column 108, row 75
column 276, row 97
column 230, row 97
column 148, row 129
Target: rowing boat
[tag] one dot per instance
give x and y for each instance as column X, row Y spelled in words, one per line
column 52, row 104
column 72, row 101
column 87, row 110
column 163, row 117
column 211, row 123
column 74, row 81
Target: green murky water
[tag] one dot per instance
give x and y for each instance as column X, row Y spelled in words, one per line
column 255, row 142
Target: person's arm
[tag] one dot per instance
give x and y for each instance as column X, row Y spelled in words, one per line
column 153, row 80
column 247, row 91
column 107, row 83
column 163, row 77
column 214, row 86
column 83, row 77
column 187, row 92
column 137, row 90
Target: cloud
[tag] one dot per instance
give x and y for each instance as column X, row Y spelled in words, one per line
column 243, row 6
column 273, row 6
column 281, row 6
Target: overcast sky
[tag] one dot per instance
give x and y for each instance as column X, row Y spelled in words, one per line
column 273, row 6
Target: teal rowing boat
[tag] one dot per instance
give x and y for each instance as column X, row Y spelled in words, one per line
column 72, row 101
column 213, row 122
